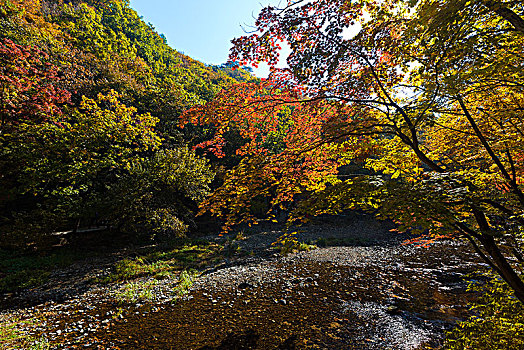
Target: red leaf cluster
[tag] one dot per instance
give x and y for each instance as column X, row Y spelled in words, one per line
column 29, row 88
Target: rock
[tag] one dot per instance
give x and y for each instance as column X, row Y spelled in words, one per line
column 393, row 310
column 245, row 285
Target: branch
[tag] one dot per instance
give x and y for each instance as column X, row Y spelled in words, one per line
column 516, row 21
column 480, row 252
column 496, row 160
column 512, row 164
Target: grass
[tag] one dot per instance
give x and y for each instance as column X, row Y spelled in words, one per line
column 19, row 271
column 23, row 271
column 11, row 336
column 140, row 291
column 185, row 281
column 182, row 261
column 164, row 264
column 134, row 292
column 181, row 258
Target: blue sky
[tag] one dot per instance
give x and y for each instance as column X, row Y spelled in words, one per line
column 202, row 29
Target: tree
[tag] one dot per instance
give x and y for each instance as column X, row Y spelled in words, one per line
column 428, row 95
column 90, row 96
column 159, row 194
column 282, row 154
column 101, row 160
column 29, row 85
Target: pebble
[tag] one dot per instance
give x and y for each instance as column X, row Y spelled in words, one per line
column 289, row 273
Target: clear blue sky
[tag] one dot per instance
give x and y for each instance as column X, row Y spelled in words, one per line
column 202, row 29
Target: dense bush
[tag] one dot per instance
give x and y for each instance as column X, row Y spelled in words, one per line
column 498, row 321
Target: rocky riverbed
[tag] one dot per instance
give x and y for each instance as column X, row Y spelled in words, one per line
column 368, row 292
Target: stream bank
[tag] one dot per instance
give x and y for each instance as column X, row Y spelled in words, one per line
column 369, row 292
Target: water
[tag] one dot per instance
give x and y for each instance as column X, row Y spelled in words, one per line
column 391, row 297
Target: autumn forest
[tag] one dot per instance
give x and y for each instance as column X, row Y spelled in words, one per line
column 381, row 170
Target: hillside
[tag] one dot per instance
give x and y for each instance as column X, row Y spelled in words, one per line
column 89, row 105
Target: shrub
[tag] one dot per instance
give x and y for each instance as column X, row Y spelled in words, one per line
column 136, row 291
column 498, row 321
column 288, row 243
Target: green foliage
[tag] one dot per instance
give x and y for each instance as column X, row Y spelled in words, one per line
column 64, row 158
column 135, row 59
column 158, row 194
column 19, row 271
column 23, row 22
column 128, row 269
column 425, row 95
column 162, row 264
column 12, row 337
column 137, row 291
column 69, row 164
column 134, row 292
column 288, row 243
column 185, row 282
column 498, row 321
column 88, row 121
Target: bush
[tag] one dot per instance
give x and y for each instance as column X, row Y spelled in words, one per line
column 498, row 321
column 288, row 243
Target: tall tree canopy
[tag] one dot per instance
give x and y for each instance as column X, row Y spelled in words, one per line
column 427, row 95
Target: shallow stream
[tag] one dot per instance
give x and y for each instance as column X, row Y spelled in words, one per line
column 372, row 294
column 395, row 297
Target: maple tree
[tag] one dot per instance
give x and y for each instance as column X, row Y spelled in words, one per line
column 426, row 95
column 29, row 85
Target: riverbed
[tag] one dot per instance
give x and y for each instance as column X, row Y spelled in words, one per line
column 370, row 291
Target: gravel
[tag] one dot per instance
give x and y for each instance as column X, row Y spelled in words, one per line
column 375, row 284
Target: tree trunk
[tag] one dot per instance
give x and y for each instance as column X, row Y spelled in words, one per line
column 507, row 271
